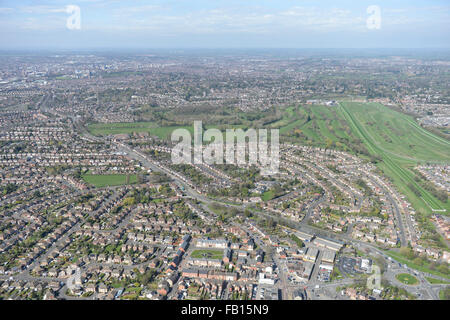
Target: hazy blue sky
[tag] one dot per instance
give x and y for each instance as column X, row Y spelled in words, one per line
column 224, row 24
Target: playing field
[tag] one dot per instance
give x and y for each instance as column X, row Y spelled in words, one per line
column 107, row 180
column 207, row 253
column 406, row 278
column 103, row 129
column 152, row 128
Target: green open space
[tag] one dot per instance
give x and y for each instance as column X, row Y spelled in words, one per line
column 152, row 128
column 389, row 138
column 400, row 144
column 406, row 278
column 316, row 125
column 207, row 253
column 444, row 294
column 268, row 195
column 108, row 180
column 436, row 281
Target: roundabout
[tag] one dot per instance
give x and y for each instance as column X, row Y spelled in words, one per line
column 407, row 278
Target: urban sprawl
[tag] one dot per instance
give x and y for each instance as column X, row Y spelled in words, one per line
column 92, row 207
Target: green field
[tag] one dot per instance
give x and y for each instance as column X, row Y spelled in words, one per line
column 268, row 195
column 108, row 180
column 103, row 129
column 377, row 132
column 406, row 278
column 207, row 253
column 436, row 281
column 152, row 128
column 401, row 144
column 444, row 294
column 315, row 125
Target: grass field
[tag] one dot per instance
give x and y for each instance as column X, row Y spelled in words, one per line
column 315, row 125
column 406, row 278
column 268, row 195
column 436, row 281
column 444, row 293
column 394, row 138
column 401, row 144
column 102, row 129
column 107, row 180
column 152, row 128
column 207, row 253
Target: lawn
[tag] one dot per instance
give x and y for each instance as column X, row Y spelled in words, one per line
column 444, row 294
column 219, row 209
column 108, row 180
column 207, row 253
column 152, row 128
column 268, row 195
column 406, row 278
column 436, row 281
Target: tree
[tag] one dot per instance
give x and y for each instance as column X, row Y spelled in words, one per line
column 443, row 269
column 297, row 240
column 418, row 261
column 407, row 252
column 329, row 144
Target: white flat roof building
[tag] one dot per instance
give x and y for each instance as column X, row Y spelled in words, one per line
column 321, row 242
column 311, row 254
column 328, row 256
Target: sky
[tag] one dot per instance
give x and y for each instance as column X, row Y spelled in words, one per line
column 140, row 24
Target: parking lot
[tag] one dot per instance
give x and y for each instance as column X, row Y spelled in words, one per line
column 347, row 265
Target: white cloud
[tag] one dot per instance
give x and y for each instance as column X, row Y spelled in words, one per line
column 6, row 10
column 136, row 10
column 227, row 20
column 42, row 9
column 250, row 20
